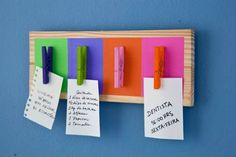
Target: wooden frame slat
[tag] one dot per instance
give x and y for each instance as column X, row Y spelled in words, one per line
column 188, row 34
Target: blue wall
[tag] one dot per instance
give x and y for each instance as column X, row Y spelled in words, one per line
column 209, row 126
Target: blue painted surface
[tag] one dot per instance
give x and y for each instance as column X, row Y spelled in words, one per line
column 209, row 126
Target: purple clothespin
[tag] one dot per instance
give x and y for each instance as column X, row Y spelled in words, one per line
column 119, row 67
column 47, row 63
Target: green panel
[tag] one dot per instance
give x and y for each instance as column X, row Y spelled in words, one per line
column 60, row 56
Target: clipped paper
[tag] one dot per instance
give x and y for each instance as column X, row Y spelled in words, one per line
column 83, row 108
column 41, row 106
column 163, row 109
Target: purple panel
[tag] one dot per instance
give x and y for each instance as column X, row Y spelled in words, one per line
column 94, row 58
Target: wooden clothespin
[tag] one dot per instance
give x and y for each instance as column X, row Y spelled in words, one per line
column 81, row 64
column 158, row 66
column 119, row 67
column 47, row 63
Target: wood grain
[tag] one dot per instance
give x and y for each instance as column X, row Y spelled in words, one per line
column 188, row 34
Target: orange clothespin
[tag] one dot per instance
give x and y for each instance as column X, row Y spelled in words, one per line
column 158, row 65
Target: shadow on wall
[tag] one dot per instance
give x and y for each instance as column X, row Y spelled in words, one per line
column 202, row 75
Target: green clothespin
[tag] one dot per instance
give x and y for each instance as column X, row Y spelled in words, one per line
column 81, row 64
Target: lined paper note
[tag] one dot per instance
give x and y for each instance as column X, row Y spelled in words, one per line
column 163, row 109
column 43, row 99
column 83, row 108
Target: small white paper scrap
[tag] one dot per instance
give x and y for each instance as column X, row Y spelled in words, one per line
column 163, row 109
column 83, row 108
column 41, row 106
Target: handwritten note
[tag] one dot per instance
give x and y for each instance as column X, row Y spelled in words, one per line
column 163, row 109
column 42, row 103
column 83, row 108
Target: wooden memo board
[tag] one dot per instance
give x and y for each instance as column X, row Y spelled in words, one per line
column 188, row 53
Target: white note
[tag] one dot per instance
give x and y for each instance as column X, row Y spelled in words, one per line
column 83, row 108
column 41, row 106
column 163, row 109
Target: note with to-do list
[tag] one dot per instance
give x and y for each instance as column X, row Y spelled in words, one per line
column 163, row 109
column 83, row 108
column 43, row 99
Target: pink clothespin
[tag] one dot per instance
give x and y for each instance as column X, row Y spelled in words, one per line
column 119, row 67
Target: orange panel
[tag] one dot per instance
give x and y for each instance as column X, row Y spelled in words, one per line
column 132, row 66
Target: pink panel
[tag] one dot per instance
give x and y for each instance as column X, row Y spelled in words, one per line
column 174, row 56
